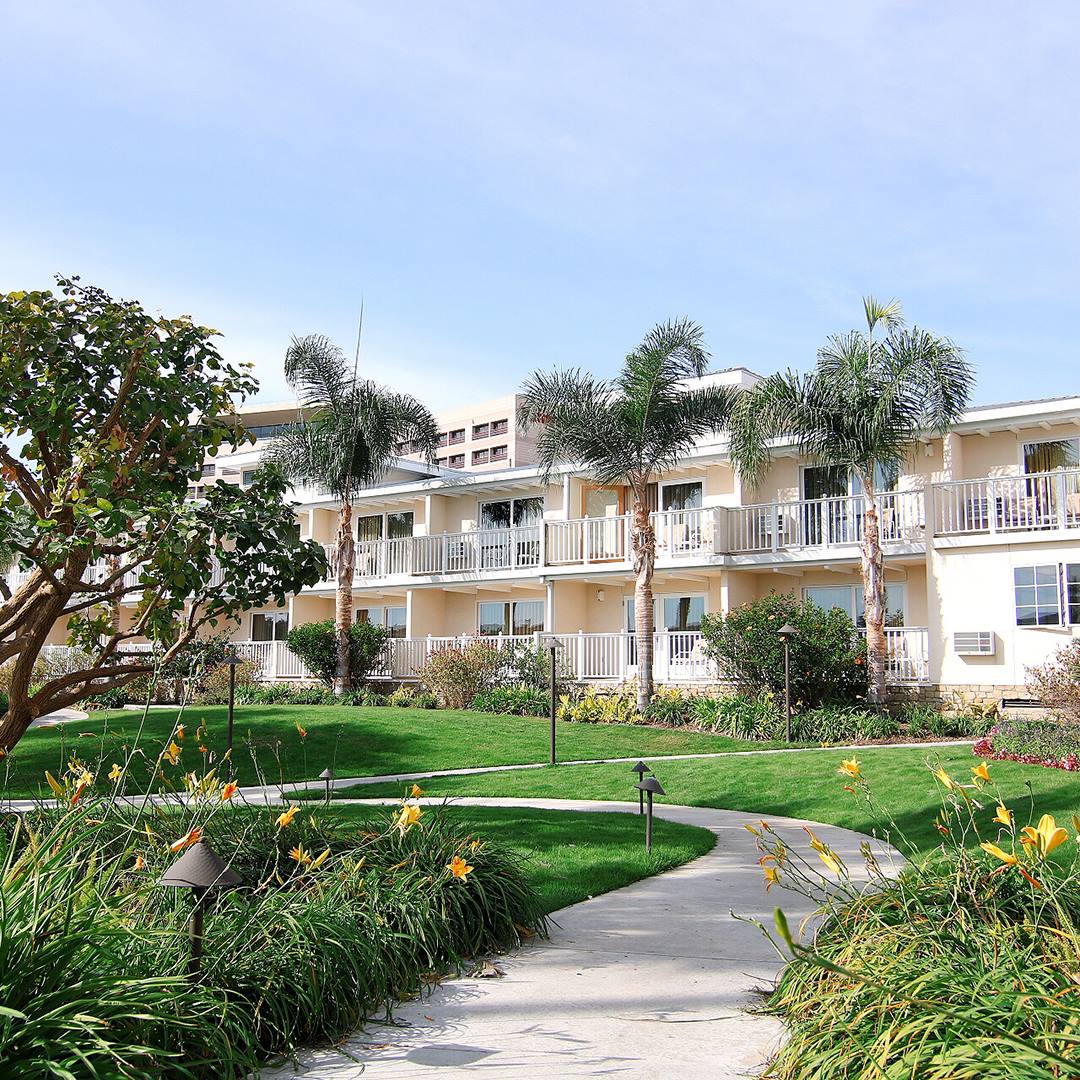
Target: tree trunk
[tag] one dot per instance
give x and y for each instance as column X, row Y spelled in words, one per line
column 643, row 543
column 873, row 575
column 345, row 558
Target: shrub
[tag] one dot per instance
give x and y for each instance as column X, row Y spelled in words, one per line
column 213, row 687
column 455, row 675
column 828, row 656
column 315, row 644
column 298, row 953
column 1057, row 682
column 513, row 701
column 286, row 694
column 594, row 706
column 671, row 706
column 361, row 697
column 1037, row 741
column 408, row 697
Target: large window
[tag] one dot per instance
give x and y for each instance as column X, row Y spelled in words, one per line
column 269, row 625
column 510, row 617
column 1037, row 594
column 393, row 618
column 1050, row 454
column 503, row 513
column 681, row 496
column 852, row 599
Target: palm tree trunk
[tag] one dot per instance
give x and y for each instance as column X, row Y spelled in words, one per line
column 345, row 557
column 873, row 575
column 643, row 543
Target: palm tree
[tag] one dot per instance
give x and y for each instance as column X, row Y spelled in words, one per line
column 861, row 409
column 348, row 434
column 627, row 432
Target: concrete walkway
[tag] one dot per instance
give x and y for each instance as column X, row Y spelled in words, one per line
column 651, row 981
column 61, row 716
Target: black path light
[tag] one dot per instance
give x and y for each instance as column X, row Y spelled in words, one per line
column 328, row 776
column 553, row 645
column 641, row 769
column 785, row 634
column 651, row 786
column 199, row 869
column 233, row 662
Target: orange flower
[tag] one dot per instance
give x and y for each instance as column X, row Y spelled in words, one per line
column 417, row 791
column 203, row 749
column 180, row 732
column 850, row 768
column 1046, row 836
column 229, row 790
column 1004, row 816
column 172, row 753
column 408, row 817
column 85, row 780
column 772, row 876
column 300, row 856
column 459, row 868
column 192, row 836
column 981, row 771
column 285, row 819
column 138, row 862
column 301, row 730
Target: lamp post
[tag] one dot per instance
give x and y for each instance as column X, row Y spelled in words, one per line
column 651, row 786
column 641, row 769
column 553, row 645
column 786, row 633
column 328, row 776
column 199, row 869
column 233, row 661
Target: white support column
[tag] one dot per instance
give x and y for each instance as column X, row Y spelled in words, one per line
column 549, row 607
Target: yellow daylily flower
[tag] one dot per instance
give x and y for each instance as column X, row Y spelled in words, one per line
column 229, row 790
column 772, row 876
column 299, row 855
column 57, row 787
column 945, row 779
column 831, row 861
column 850, row 768
column 992, row 849
column 285, row 819
column 408, row 816
column 115, row 773
column 1004, row 816
column 85, row 780
column 301, row 730
column 981, row 771
column 459, row 868
column 172, row 753
column 192, row 836
column 1046, row 836
column 417, row 791
column 320, row 859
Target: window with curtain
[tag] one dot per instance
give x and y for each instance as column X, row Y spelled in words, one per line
column 399, row 525
column 681, row 496
column 852, row 599
column 269, row 625
column 369, row 527
column 1051, row 454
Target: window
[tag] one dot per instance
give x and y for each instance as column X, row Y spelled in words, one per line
column 441, row 441
column 681, row 496
column 852, row 599
column 265, row 431
column 457, row 436
column 503, row 513
column 456, row 461
column 481, row 431
column 498, row 427
column 269, row 625
column 498, row 453
column 440, row 461
column 247, row 478
column 1037, row 595
column 510, row 617
column 208, row 470
column 369, row 527
column 399, row 525
column 392, row 618
column 673, row 613
column 480, row 457
column 1051, row 454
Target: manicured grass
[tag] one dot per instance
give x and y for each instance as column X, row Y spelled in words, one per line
column 352, row 741
column 804, row 785
column 572, row 856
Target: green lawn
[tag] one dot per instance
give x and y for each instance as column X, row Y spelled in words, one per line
column 572, row 856
column 804, row 785
column 353, row 741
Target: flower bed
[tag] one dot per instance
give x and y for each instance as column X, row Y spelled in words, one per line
column 1046, row 741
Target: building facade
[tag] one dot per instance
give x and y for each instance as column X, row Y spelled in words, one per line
column 981, row 538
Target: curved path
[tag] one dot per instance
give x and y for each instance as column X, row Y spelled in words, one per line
column 653, row 980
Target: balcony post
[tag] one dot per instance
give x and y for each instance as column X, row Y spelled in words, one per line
column 774, row 525
column 445, row 554
column 1061, row 489
column 585, row 545
column 543, row 543
column 992, row 506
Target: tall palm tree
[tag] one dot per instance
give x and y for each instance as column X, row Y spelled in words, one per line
column 345, row 439
column 627, row 432
column 861, row 409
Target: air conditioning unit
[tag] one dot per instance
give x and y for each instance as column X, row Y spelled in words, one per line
column 974, row 643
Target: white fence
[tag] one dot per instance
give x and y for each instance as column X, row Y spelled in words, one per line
column 1036, row 501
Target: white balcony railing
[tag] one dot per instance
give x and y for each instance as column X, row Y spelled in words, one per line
column 1006, row 504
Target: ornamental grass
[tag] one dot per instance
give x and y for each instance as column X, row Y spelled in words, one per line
column 332, row 925
column 966, row 964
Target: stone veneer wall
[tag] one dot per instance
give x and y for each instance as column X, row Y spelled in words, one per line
column 943, row 694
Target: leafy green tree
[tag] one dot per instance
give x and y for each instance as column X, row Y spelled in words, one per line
column 106, row 415
column 862, row 408
column 346, row 439
column 629, row 431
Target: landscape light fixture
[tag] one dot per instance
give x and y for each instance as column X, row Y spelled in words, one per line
column 199, row 869
column 641, row 769
column 651, row 786
column 785, row 634
column 328, row 776
column 553, row 645
column 233, row 662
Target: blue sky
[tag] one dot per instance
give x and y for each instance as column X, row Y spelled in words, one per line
column 517, row 185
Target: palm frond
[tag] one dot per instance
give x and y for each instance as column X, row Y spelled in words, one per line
column 890, row 315
column 315, row 369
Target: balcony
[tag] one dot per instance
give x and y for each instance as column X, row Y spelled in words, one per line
column 1035, row 502
column 678, row 656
